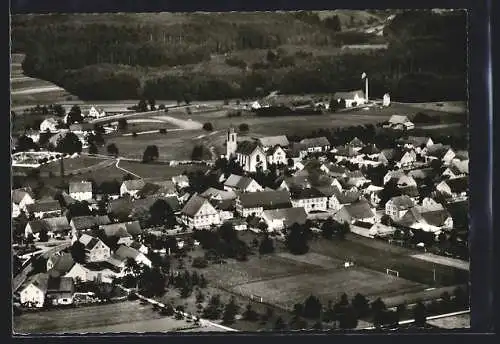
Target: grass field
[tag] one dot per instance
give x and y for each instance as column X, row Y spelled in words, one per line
column 328, row 285
column 174, row 145
column 123, row 316
column 158, row 170
column 72, row 164
column 379, row 259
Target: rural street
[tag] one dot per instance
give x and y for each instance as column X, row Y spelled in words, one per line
column 124, row 170
column 184, row 124
column 35, row 90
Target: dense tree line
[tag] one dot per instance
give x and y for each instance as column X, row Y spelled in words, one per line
column 86, row 61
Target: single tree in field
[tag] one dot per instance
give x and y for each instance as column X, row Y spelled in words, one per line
column 142, row 106
column 360, row 305
column 150, row 154
column 93, row 149
column 244, row 127
column 208, row 126
column 112, row 149
column 152, row 104
column 74, row 115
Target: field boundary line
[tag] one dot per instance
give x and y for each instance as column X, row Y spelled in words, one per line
column 126, row 171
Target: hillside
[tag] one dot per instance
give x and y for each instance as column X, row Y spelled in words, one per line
column 213, row 56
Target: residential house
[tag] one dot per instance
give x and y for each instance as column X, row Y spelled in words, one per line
column 422, row 173
column 226, row 208
column 20, row 199
column 132, row 187
column 238, row 224
column 181, row 181
column 334, row 170
column 141, row 205
column 429, row 203
column 347, row 153
column 316, row 144
column 309, row 200
column 85, row 223
column 256, row 202
column 416, row 142
column 408, row 159
column 410, row 191
column 351, row 98
column 457, row 169
column 400, row 177
column 337, row 198
column 372, row 193
column 241, row 184
column 139, row 247
column 199, row 213
column 251, row 156
column 60, row 290
column 270, row 142
column 96, row 250
column 440, row 152
column 400, row 122
column 370, row 152
column 356, row 143
column 360, row 211
column 456, row 188
column 124, row 252
column 43, row 209
column 90, row 272
column 125, row 231
column 160, row 188
column 96, row 113
column 397, row 206
column 277, row 156
column 53, row 226
column 81, row 191
column 381, row 230
column 433, row 221
column 218, row 195
column 49, row 125
column 278, row 219
column 33, row 292
column 356, row 178
column 61, row 263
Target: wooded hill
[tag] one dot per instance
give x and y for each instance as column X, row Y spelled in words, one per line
column 239, row 55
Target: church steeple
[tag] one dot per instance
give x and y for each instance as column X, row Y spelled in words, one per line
column 231, row 143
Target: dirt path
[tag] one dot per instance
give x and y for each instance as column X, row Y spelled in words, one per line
column 124, row 170
column 36, row 90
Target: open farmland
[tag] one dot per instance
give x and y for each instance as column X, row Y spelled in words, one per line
column 158, row 170
column 74, row 165
column 174, row 145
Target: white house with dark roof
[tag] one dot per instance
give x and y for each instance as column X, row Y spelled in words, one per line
column 278, row 219
column 309, row 199
column 351, row 98
column 360, row 211
column 124, row 252
column 433, row 221
column 270, row 142
column 397, row 206
column 34, row 290
column 97, row 251
column 315, row 144
column 241, row 184
column 408, row 159
column 45, row 208
column 181, row 181
column 199, row 213
column 455, row 188
column 337, row 198
column 254, row 203
column 276, row 156
column 96, row 113
column 218, row 195
column 400, row 122
column 53, row 226
column 81, row 191
column 457, row 169
column 132, row 187
column 21, row 198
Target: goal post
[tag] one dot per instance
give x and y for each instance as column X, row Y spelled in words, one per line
column 256, row 298
column 392, row 272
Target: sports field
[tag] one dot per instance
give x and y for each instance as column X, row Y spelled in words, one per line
column 328, row 285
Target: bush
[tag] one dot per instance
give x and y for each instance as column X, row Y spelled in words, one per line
column 134, row 134
column 162, row 131
column 200, row 263
column 208, row 126
column 244, row 127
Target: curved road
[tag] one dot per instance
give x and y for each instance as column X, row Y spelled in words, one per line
column 185, row 124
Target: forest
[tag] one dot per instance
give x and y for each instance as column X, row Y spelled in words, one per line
column 100, row 57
